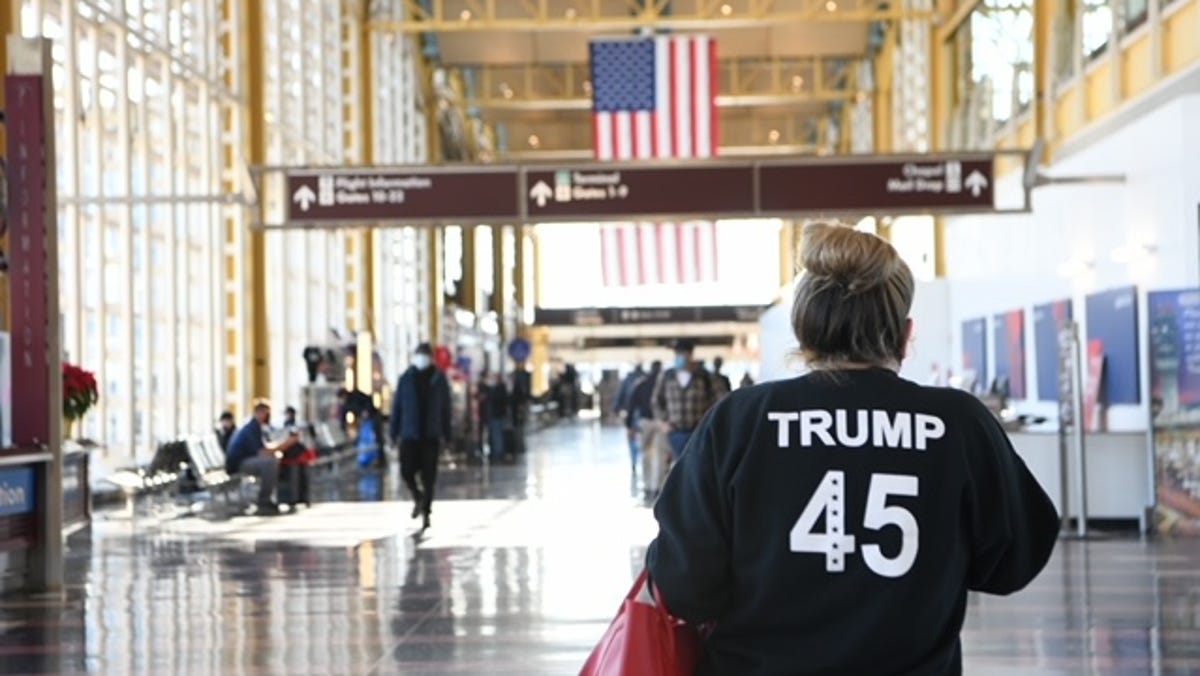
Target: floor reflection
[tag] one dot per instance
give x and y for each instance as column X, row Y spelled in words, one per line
column 522, row 571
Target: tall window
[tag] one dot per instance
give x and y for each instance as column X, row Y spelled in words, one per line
column 1097, row 26
column 1002, row 55
column 135, row 118
column 310, row 97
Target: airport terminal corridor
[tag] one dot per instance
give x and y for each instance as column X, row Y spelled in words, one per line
column 522, row 570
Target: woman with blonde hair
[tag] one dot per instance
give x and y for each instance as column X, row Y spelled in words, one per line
column 834, row 523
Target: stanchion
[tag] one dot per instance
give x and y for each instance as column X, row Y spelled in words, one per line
column 1072, row 422
column 1081, row 510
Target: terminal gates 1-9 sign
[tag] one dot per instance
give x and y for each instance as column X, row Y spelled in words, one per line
column 619, row 191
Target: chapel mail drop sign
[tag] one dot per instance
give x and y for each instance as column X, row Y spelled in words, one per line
column 870, row 184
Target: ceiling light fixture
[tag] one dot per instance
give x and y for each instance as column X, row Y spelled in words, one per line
column 797, row 83
column 465, row 15
column 571, row 13
column 726, row 10
column 831, row 6
column 773, row 136
column 534, row 141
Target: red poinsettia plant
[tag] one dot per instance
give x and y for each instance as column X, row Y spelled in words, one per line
column 79, row 391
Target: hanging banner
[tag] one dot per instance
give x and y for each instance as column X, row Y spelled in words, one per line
column 1093, row 391
column 1112, row 319
column 974, row 353
column 1174, row 324
column 1049, row 320
column 34, row 299
column 1009, row 334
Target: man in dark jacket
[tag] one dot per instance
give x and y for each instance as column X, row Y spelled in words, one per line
column 520, row 396
column 420, row 423
column 639, row 420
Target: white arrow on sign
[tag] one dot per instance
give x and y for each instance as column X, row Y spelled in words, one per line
column 540, row 192
column 304, row 196
column 976, row 183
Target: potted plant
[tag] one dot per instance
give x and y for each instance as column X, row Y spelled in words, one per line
column 79, row 394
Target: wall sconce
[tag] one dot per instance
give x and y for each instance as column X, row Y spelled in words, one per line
column 1076, row 267
column 1133, row 252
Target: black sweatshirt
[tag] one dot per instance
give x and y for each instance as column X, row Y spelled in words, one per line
column 833, row 524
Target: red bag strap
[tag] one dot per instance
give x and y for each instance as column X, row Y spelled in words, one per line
column 642, row 580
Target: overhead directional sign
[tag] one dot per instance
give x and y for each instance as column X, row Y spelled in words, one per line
column 603, row 192
column 647, row 315
column 403, row 195
column 878, row 184
column 867, row 184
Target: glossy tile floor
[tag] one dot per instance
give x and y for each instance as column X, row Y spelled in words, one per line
column 520, row 574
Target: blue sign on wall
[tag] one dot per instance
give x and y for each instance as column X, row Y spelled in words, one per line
column 1112, row 319
column 16, row 491
column 1008, row 336
column 519, row 349
column 1175, row 350
column 974, row 354
column 1048, row 321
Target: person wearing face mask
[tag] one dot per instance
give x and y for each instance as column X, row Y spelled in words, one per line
column 420, row 424
column 683, row 395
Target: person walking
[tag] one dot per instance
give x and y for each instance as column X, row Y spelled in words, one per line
column 493, row 413
column 419, row 425
column 834, row 523
column 644, row 431
column 521, row 396
column 683, row 395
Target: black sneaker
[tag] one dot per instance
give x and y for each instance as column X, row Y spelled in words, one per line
column 425, row 524
column 269, row 509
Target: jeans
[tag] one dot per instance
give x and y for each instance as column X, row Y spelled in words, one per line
column 654, row 455
column 631, row 431
column 495, row 428
column 678, row 440
column 265, row 468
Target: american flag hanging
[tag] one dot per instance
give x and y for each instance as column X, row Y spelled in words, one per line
column 655, row 98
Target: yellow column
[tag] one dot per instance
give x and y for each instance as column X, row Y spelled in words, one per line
column 433, row 284
column 468, row 292
column 1043, row 27
column 787, row 252
column 499, row 273
column 539, row 357
column 537, row 268
column 941, row 74
column 883, row 112
column 366, row 109
column 351, row 268
column 519, row 264
column 256, row 143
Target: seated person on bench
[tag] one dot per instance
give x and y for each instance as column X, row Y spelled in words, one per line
column 249, row 453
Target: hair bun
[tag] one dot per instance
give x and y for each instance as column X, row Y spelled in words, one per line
column 856, row 261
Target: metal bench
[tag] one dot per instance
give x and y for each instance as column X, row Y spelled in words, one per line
column 207, row 463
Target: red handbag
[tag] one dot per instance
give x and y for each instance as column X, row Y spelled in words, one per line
column 644, row 640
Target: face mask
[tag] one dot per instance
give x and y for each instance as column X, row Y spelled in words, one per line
column 421, row 361
column 681, row 361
